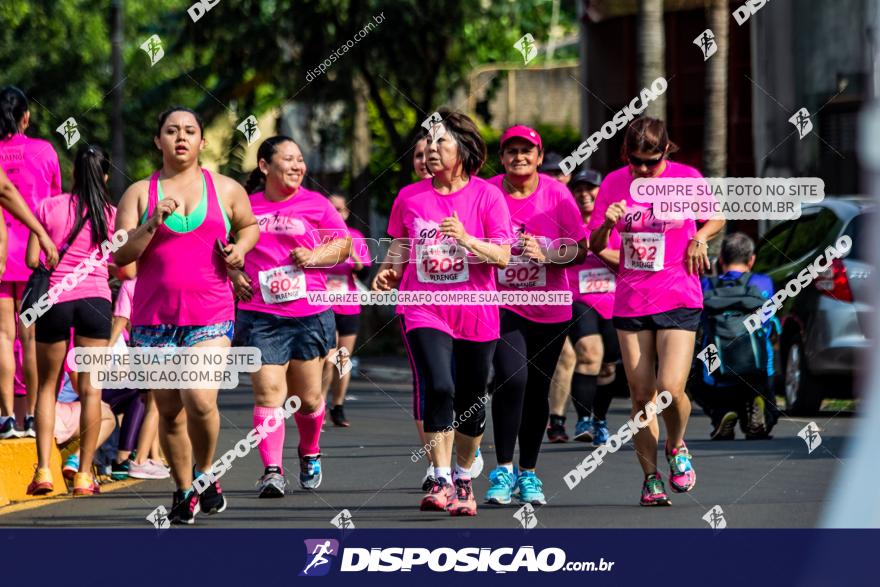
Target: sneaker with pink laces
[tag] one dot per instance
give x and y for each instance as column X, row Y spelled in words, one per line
column 682, row 476
column 653, row 492
column 147, row 470
column 440, row 495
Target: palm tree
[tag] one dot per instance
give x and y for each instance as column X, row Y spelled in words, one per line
column 651, row 49
column 715, row 127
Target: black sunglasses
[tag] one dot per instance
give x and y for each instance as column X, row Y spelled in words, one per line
column 636, row 162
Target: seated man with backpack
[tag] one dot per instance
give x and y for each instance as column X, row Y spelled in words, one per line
column 739, row 388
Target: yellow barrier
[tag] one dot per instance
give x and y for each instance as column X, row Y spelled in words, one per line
column 18, row 456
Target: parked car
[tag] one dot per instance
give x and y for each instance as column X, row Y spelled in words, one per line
column 826, row 327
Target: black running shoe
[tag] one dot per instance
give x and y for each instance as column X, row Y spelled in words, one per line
column 337, row 414
column 185, row 506
column 212, row 501
column 556, row 430
column 119, row 471
column 726, row 428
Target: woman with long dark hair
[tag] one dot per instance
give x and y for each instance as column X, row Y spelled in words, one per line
column 658, row 299
column 183, row 298
column 32, row 167
column 301, row 234
column 78, row 223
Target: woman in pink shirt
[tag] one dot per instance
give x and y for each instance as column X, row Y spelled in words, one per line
column 341, row 278
column 78, row 223
column 32, row 166
column 183, row 297
column 450, row 233
column 658, row 299
column 550, row 236
column 301, row 234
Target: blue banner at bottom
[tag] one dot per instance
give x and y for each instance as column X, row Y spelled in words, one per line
column 744, row 558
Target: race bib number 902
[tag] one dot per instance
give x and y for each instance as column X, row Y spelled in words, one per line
column 282, row 284
column 643, row 251
column 441, row 263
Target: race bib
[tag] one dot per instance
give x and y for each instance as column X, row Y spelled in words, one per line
column 441, row 263
column 599, row 280
column 337, row 283
column 523, row 275
column 643, row 251
column 282, row 284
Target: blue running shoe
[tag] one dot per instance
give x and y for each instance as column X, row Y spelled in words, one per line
column 583, row 430
column 501, row 484
column 529, row 488
column 600, row 432
column 310, row 472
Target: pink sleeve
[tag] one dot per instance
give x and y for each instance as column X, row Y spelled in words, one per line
column 496, row 217
column 123, row 300
column 396, row 229
column 599, row 207
column 55, row 173
column 569, row 217
column 362, row 250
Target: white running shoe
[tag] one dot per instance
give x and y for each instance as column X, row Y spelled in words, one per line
column 477, row 467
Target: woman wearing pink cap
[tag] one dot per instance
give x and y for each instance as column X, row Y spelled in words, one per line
column 301, row 234
column 449, row 231
column 183, row 297
column 549, row 235
column 658, row 300
column 32, row 166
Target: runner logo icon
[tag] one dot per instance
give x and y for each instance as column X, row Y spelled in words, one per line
column 319, row 554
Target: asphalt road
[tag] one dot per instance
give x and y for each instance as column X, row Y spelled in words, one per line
column 368, row 471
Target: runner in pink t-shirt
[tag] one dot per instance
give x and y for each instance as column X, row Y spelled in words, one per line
column 550, row 236
column 178, row 222
column 31, row 166
column 658, row 300
column 341, row 278
column 79, row 223
column 301, row 234
column 449, row 234
column 586, row 366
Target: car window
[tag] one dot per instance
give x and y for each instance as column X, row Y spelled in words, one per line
column 770, row 252
column 859, row 230
column 812, row 233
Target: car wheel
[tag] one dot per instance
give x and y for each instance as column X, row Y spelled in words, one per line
column 803, row 395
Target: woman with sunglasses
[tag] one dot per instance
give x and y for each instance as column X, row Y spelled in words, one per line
column 658, row 301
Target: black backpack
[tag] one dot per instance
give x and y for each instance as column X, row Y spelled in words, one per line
column 726, row 305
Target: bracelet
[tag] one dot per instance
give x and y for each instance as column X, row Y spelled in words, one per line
column 699, row 242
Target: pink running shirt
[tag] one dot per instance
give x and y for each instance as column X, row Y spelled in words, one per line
column 32, row 165
column 593, row 282
column 306, row 219
column 551, row 214
column 341, row 277
column 56, row 214
column 653, row 275
column 416, row 215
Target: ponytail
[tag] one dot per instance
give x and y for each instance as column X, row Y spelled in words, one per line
column 90, row 167
column 13, row 106
column 256, row 181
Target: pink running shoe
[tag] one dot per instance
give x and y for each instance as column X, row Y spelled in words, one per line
column 439, row 497
column 682, row 476
column 653, row 492
column 147, row 470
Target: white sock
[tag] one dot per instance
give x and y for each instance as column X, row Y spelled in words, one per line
column 444, row 473
column 462, row 473
column 508, row 467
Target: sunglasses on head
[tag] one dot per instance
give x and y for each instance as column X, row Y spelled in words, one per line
column 636, row 162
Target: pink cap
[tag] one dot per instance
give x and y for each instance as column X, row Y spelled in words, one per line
column 523, row 132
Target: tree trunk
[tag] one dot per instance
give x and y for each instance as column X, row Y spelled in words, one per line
column 651, row 52
column 360, row 202
column 715, row 126
column 118, row 181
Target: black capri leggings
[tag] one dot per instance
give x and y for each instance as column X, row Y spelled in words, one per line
column 525, row 359
column 452, row 395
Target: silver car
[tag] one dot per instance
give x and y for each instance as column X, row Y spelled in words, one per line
column 825, row 332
